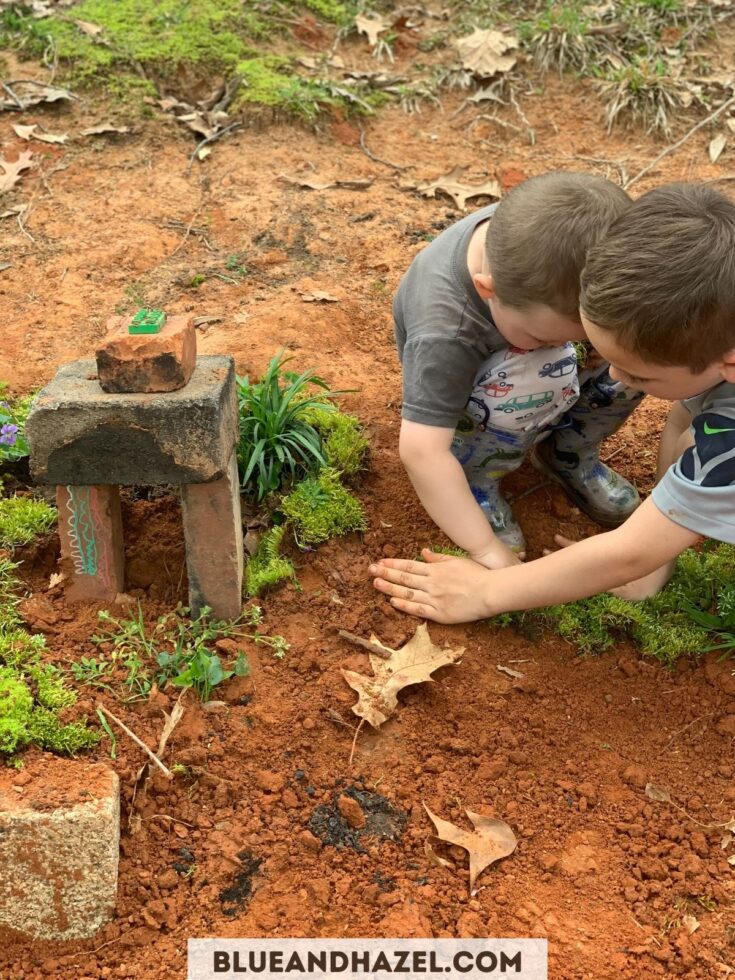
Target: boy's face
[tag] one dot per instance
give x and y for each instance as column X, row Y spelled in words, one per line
column 672, row 382
column 538, row 326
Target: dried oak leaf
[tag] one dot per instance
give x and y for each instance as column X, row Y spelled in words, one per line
column 490, row 841
column 716, row 147
column 12, row 171
column 414, row 663
column 486, row 53
column 460, row 193
column 372, row 26
column 33, row 133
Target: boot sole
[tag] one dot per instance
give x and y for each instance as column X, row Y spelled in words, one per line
column 604, row 520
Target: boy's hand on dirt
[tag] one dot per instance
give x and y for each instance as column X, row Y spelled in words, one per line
column 498, row 556
column 443, row 588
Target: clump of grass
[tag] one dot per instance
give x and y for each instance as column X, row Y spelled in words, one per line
column 559, row 38
column 646, row 90
column 277, row 441
column 320, row 508
column 678, row 621
column 268, row 567
column 22, row 519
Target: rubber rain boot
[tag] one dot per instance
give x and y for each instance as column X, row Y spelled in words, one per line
column 571, row 454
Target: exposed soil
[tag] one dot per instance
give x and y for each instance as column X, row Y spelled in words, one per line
column 253, row 841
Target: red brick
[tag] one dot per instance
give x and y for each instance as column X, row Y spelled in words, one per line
column 147, row 362
column 92, row 553
column 214, row 544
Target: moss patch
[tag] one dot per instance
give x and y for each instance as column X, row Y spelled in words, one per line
column 22, row 519
column 344, row 442
column 268, row 567
column 321, row 508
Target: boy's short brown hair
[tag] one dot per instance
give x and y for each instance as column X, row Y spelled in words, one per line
column 663, row 279
column 539, row 236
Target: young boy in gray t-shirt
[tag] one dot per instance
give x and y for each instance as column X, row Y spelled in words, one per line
column 658, row 301
column 484, row 320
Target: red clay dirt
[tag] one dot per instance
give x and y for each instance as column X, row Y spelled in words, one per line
column 232, row 847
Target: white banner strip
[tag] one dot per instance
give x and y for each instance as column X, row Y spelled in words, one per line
column 356, row 959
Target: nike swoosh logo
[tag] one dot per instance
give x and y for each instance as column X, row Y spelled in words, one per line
column 709, row 431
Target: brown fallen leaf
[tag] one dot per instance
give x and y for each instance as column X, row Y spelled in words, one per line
column 317, row 185
column 91, row 30
column 487, row 53
column 413, row 663
column 318, row 296
column 509, row 671
column 12, row 171
column 433, row 857
column 657, row 793
column 490, row 841
column 460, row 193
column 716, row 147
column 33, row 133
column 104, row 128
column 372, row 26
column 26, row 93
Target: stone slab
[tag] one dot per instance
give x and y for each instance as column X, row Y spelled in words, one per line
column 91, row 535
column 81, row 435
column 59, row 849
column 147, row 362
column 214, row 544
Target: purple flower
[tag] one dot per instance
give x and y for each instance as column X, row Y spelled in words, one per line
column 9, row 434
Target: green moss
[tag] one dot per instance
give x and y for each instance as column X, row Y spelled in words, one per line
column 22, row 519
column 344, row 443
column 268, row 567
column 46, row 730
column 661, row 626
column 16, row 707
column 321, row 508
column 269, row 81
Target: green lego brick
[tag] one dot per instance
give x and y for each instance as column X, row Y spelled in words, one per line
column 147, row 321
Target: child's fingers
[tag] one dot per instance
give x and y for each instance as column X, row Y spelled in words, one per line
column 561, row 541
column 432, row 556
column 400, row 565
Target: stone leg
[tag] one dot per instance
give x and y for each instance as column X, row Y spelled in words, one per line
column 214, row 544
column 90, row 528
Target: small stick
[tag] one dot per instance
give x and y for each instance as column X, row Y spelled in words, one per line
column 212, row 139
column 613, row 454
column 12, row 95
column 354, row 740
column 675, row 146
column 365, row 644
column 527, row 493
column 379, row 651
column 369, row 153
column 105, row 711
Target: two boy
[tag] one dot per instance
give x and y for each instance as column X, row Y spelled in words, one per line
column 658, row 303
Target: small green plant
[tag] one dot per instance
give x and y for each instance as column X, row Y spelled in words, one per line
column 276, row 440
column 720, row 624
column 646, row 90
column 205, row 671
column 13, row 415
column 22, row 519
column 321, row 508
column 268, row 567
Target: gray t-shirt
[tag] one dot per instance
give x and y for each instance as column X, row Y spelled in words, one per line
column 698, row 491
column 443, row 327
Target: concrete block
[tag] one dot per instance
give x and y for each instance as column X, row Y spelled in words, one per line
column 147, row 362
column 59, row 848
column 91, row 534
column 80, row 435
column 214, row 544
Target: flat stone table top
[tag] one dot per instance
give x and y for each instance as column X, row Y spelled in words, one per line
column 80, row 435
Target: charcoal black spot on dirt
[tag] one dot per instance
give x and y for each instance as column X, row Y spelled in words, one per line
column 382, row 819
column 235, row 898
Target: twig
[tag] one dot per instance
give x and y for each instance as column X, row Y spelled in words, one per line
column 527, row 493
column 682, row 730
column 522, row 114
column 675, row 146
column 187, row 231
column 12, row 95
column 212, row 139
column 154, row 758
column 354, row 741
column 369, row 153
column 23, row 214
column 494, row 119
column 613, row 454
column 365, row 644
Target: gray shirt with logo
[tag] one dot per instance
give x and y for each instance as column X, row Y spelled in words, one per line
column 443, row 327
column 698, row 491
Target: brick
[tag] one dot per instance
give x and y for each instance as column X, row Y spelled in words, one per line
column 59, row 850
column 81, row 435
column 214, row 544
column 147, row 362
column 91, row 534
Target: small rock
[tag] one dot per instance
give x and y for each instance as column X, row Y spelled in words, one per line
column 310, row 841
column 635, row 776
column 627, row 667
column 351, row 811
column 269, row 782
column 726, row 725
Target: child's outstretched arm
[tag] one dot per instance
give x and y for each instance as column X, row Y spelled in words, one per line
column 442, row 488
column 457, row 590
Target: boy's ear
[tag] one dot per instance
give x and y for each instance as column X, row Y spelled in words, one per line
column 728, row 366
column 483, row 282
